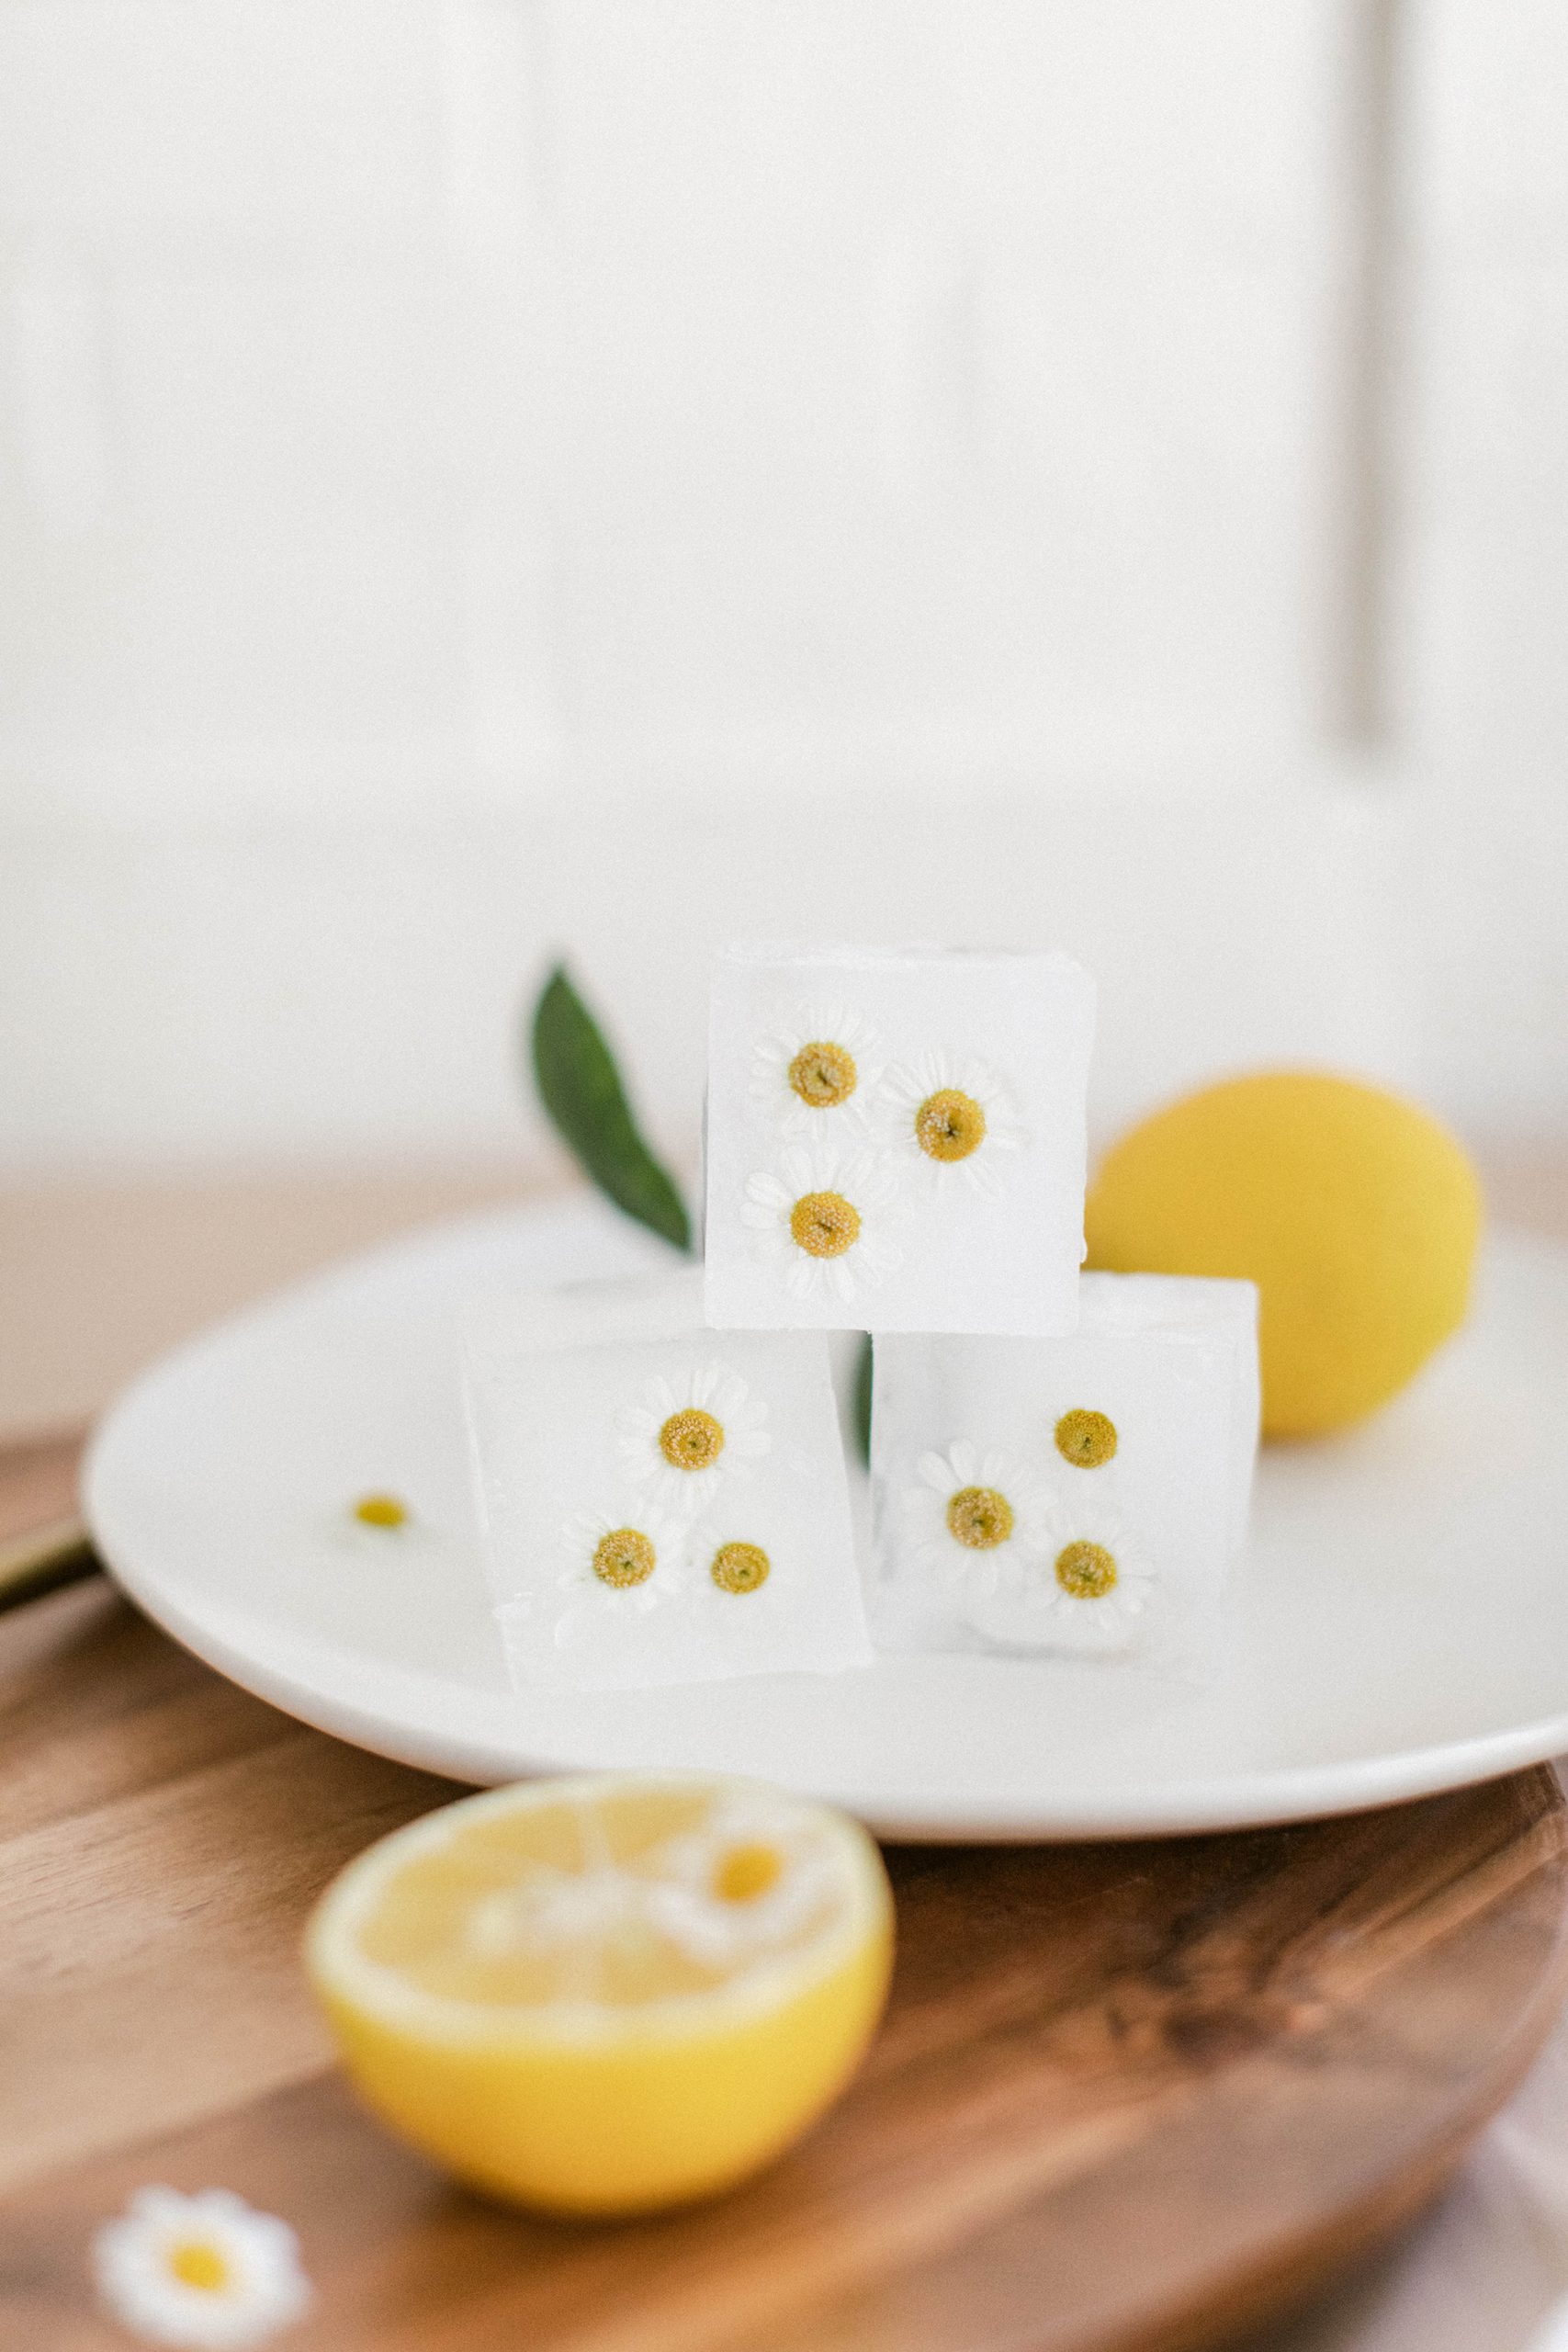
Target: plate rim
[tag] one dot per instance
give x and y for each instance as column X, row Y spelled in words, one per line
column 1199, row 1806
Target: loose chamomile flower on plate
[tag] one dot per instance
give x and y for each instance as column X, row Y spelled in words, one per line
column 818, row 1069
column 969, row 1512
column 752, row 1878
column 952, row 1118
column 686, row 1436
column 618, row 1566
column 829, row 1221
column 383, row 1511
column 1086, row 1593
column 376, row 1520
column 206, row 2272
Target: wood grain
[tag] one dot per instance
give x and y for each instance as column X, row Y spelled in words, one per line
column 1126, row 2095
column 37, row 1480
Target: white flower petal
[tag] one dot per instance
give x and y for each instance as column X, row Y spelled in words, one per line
column 912, row 1083
column 773, row 1057
column 709, row 1386
column 975, row 1575
column 716, row 1931
column 798, row 1165
column 864, row 1182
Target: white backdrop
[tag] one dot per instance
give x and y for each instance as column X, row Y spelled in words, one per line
column 482, row 475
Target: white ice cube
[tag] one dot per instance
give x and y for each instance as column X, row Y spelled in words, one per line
column 896, row 1139
column 662, row 1502
column 1078, row 1496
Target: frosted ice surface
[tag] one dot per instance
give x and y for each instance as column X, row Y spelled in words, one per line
column 662, row 1502
column 895, row 1140
column 1134, row 1436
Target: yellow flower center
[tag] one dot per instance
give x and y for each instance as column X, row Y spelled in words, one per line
column 1086, row 1570
column 740, row 1567
column 1087, row 1439
column 747, row 1872
column 381, row 1510
column 979, row 1517
column 198, row 2263
column 623, row 1557
column 822, row 1074
column 692, row 1440
column 949, row 1126
column 824, row 1224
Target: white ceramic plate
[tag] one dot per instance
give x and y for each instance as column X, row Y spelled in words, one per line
column 1402, row 1620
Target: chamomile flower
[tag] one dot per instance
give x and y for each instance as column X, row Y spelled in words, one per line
column 208, row 2272
column 689, row 1433
column 817, row 1069
column 827, row 1220
column 380, row 1524
column 382, row 1510
column 1086, row 1438
column 617, row 1567
column 1085, row 1594
column 951, row 1118
column 749, row 1880
column 739, row 1569
column 969, row 1513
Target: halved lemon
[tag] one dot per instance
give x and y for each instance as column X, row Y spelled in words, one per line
column 606, row 1995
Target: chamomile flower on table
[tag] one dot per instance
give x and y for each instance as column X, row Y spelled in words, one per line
column 970, row 1511
column 752, row 1878
column 952, row 1119
column 618, row 1565
column 1085, row 1594
column 689, row 1433
column 206, row 2272
column 828, row 1222
column 818, row 1070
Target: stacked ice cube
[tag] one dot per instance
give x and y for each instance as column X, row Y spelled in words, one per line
column 897, row 1142
column 1082, row 1495
column 1061, row 1463
column 664, row 1502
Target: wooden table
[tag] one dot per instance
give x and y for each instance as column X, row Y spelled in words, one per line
column 1127, row 2095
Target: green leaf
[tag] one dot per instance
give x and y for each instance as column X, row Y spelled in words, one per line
column 863, row 1398
column 581, row 1089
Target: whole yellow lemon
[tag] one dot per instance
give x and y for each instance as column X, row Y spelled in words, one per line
column 1355, row 1214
